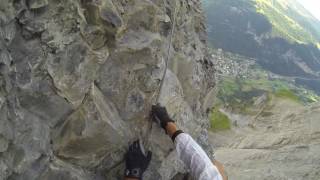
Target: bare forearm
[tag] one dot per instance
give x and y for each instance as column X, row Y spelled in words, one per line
column 220, row 169
column 171, row 128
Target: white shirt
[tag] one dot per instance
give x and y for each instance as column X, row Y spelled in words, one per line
column 195, row 159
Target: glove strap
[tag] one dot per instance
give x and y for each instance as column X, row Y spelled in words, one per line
column 134, row 173
column 176, row 134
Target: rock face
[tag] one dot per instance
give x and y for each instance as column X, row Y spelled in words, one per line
column 78, row 78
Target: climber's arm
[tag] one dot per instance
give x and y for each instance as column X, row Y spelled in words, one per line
column 189, row 151
column 193, row 156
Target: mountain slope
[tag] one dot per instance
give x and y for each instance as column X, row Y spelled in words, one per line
column 264, row 124
column 282, row 37
column 290, row 20
column 78, row 78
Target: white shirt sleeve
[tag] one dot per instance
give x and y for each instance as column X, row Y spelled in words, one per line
column 195, row 159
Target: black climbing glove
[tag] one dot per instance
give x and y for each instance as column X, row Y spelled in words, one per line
column 160, row 115
column 136, row 161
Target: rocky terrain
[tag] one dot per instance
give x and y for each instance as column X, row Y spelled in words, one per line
column 78, row 78
column 280, row 142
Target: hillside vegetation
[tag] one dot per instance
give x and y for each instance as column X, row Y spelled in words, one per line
column 219, row 121
column 283, row 37
column 288, row 22
column 241, row 94
column 243, row 86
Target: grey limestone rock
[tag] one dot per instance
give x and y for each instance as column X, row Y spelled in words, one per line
column 78, row 78
column 36, row 4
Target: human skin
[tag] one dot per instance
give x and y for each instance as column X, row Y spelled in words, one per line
column 220, row 169
column 171, row 128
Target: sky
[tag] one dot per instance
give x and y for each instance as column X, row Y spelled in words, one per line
column 313, row 6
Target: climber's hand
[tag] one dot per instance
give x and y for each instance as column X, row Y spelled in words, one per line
column 160, row 115
column 136, row 161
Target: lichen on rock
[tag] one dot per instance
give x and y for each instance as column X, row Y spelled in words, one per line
column 78, row 78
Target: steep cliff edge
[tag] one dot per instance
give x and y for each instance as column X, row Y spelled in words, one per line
column 281, row 142
column 77, row 80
